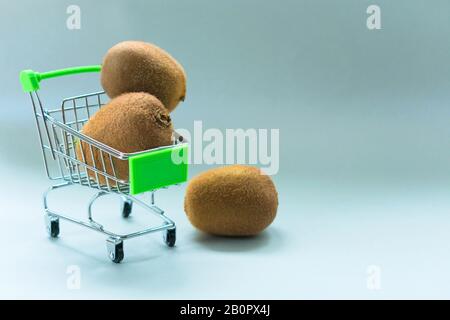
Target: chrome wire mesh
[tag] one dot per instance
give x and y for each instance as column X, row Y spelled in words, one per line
column 60, row 136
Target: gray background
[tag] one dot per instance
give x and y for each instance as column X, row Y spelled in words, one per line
column 364, row 160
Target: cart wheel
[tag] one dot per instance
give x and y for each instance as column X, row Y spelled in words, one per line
column 127, row 206
column 52, row 223
column 170, row 236
column 115, row 249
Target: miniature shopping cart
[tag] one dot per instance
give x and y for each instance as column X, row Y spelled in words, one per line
column 59, row 131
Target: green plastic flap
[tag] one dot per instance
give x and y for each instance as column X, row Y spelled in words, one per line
column 157, row 169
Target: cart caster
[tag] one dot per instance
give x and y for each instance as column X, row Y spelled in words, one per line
column 127, row 206
column 115, row 249
column 170, row 236
column 52, row 223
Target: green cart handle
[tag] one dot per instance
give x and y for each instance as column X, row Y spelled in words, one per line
column 30, row 79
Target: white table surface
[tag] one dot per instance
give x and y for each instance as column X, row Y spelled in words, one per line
column 320, row 246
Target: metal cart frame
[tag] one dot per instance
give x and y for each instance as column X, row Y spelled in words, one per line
column 59, row 131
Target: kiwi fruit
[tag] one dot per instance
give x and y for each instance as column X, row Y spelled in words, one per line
column 234, row 200
column 136, row 66
column 129, row 123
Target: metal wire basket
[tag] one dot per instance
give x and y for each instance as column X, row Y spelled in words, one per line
column 59, row 132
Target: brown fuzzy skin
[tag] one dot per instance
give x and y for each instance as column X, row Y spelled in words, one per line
column 234, row 200
column 136, row 66
column 129, row 123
